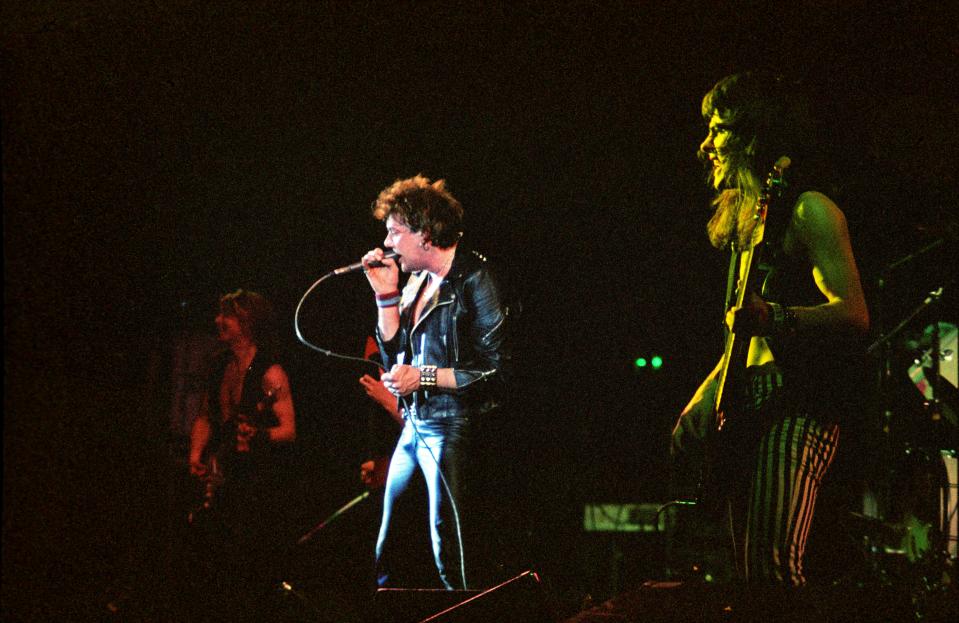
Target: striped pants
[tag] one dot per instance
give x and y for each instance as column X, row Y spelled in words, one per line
column 769, row 520
column 772, row 509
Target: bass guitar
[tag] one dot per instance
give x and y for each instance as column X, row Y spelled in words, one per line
column 736, row 348
column 235, row 443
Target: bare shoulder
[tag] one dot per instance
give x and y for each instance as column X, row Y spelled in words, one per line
column 815, row 210
column 816, row 217
column 275, row 376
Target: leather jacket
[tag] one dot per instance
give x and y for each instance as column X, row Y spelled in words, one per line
column 463, row 327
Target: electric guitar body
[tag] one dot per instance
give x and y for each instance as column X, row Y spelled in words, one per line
column 233, row 447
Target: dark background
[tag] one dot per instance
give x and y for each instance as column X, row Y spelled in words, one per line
column 158, row 154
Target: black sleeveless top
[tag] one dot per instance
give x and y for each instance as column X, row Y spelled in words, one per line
column 823, row 372
column 250, row 395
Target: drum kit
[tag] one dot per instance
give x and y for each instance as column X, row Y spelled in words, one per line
column 909, row 523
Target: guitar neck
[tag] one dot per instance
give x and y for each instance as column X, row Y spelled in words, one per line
column 736, row 347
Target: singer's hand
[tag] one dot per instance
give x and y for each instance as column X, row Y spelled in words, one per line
column 402, row 380
column 385, row 278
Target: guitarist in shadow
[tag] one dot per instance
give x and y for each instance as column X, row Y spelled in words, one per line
column 237, row 444
column 769, row 414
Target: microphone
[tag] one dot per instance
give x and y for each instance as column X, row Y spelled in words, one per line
column 352, row 268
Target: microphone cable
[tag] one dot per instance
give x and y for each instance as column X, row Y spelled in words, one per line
column 406, row 405
column 307, row 343
column 446, row 487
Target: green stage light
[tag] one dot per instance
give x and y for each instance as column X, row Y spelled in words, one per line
column 641, row 362
column 657, row 362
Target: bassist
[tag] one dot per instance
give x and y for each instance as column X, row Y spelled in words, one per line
column 785, row 397
column 236, row 446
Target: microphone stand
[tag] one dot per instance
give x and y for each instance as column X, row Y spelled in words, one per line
column 884, row 340
column 905, row 260
column 309, row 535
column 884, row 344
column 935, row 355
column 288, row 589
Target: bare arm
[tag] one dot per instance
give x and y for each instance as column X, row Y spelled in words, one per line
column 819, row 228
column 817, row 231
column 276, row 381
column 388, row 322
column 706, row 387
column 698, row 413
column 383, row 280
column 381, row 396
column 199, row 438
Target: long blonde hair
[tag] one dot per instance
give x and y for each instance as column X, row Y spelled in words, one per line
column 732, row 219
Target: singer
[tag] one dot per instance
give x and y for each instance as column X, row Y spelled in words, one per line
column 800, row 327
column 443, row 341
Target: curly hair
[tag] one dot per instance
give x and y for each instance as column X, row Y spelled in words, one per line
column 423, row 206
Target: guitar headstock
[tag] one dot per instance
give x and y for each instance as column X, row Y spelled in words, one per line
column 776, row 180
column 774, row 186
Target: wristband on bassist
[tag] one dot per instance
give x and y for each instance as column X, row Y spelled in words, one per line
column 784, row 319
